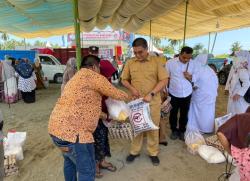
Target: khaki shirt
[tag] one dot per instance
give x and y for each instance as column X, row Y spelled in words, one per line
column 144, row 76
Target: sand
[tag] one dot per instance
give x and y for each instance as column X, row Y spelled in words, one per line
column 43, row 161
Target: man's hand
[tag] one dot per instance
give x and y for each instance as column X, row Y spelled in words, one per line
column 103, row 116
column 148, row 98
column 135, row 93
column 236, row 97
column 187, row 75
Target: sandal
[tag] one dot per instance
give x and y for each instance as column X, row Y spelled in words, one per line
column 109, row 166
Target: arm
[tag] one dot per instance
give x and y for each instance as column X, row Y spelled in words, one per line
column 223, row 140
column 244, row 78
column 163, row 81
column 103, row 86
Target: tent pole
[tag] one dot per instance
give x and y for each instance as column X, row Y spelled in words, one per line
column 150, row 35
column 77, row 33
column 209, row 39
column 214, row 42
column 185, row 25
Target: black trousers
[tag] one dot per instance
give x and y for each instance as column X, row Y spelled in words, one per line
column 115, row 75
column 183, row 105
column 29, row 97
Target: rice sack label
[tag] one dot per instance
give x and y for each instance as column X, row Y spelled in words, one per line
column 140, row 116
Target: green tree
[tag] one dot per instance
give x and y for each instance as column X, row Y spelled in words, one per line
column 198, row 48
column 176, row 44
column 39, row 43
column 4, row 36
column 168, row 50
column 236, row 46
column 156, row 41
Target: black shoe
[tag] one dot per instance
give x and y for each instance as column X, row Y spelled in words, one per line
column 130, row 158
column 182, row 137
column 164, row 143
column 174, row 135
column 155, row 160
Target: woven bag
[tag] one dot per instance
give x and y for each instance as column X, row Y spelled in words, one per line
column 121, row 131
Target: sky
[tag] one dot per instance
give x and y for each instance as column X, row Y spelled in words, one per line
column 222, row 45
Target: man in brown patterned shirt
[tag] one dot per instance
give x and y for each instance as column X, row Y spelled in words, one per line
column 75, row 117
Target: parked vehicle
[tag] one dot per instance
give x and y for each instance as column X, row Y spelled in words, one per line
column 51, row 67
column 218, row 63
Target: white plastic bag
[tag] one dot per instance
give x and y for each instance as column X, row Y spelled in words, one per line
column 140, row 116
column 193, row 140
column 118, row 110
column 13, row 144
column 221, row 120
column 211, row 154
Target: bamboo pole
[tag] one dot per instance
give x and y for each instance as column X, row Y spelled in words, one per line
column 214, row 43
column 209, row 39
column 77, row 33
column 185, row 24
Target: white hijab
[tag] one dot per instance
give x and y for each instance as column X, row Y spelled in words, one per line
column 241, row 61
column 201, row 59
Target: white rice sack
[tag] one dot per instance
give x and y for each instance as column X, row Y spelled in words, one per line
column 118, row 110
column 211, row 154
column 140, row 117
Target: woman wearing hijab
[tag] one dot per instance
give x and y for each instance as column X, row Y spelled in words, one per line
column 10, row 83
column 26, row 81
column 39, row 74
column 202, row 107
column 69, row 72
column 234, row 136
column 238, row 83
column 102, row 148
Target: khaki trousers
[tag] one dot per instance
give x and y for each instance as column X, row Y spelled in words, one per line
column 152, row 136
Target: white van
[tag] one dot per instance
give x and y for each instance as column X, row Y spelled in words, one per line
column 52, row 68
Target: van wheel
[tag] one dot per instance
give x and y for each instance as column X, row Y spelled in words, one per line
column 58, row 78
column 222, row 78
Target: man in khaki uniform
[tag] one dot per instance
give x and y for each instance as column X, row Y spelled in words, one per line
column 145, row 77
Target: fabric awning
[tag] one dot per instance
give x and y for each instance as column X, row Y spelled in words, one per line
column 40, row 18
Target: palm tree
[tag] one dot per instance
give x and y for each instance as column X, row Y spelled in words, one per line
column 156, row 41
column 198, row 48
column 4, row 36
column 236, row 46
column 175, row 43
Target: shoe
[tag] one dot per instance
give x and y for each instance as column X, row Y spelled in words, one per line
column 130, row 158
column 164, row 143
column 182, row 137
column 174, row 135
column 155, row 160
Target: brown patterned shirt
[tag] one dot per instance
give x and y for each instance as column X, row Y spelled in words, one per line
column 77, row 112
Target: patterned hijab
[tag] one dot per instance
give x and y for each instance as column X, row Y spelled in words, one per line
column 24, row 69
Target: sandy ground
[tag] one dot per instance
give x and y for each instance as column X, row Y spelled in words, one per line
column 43, row 161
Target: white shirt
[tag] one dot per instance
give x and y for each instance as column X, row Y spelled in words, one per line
column 179, row 86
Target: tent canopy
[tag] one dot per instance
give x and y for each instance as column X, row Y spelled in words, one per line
column 40, row 18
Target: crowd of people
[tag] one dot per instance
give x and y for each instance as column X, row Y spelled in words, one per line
column 20, row 78
column 77, row 123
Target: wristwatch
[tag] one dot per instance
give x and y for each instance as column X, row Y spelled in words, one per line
column 152, row 94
